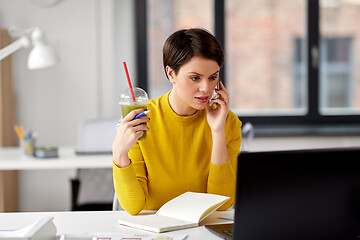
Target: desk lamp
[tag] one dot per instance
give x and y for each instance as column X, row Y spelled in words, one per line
column 41, row 56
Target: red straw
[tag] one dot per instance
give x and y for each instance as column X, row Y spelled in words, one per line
column 129, row 82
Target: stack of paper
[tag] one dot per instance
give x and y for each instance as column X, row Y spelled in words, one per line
column 42, row 229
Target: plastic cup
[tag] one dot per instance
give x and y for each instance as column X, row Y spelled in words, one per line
column 127, row 103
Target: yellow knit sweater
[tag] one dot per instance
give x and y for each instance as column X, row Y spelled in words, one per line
column 175, row 158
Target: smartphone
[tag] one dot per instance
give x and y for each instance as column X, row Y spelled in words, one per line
column 215, row 96
column 218, row 85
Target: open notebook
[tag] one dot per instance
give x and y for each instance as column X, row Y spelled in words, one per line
column 184, row 211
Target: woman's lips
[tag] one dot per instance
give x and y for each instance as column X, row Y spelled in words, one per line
column 202, row 99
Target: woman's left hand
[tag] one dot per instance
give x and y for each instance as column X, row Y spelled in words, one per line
column 217, row 117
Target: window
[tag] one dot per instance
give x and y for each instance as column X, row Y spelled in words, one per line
column 288, row 63
column 259, row 56
column 336, row 90
column 340, row 72
column 336, row 83
column 165, row 17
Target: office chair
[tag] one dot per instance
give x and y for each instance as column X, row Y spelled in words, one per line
column 93, row 189
column 248, row 133
column 116, row 205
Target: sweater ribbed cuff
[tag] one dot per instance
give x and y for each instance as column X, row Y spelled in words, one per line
column 124, row 175
column 220, row 174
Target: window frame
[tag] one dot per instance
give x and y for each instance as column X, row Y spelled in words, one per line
column 311, row 122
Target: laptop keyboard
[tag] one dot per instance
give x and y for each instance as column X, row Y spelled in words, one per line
column 228, row 233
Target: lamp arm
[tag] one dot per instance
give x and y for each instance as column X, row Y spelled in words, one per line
column 22, row 42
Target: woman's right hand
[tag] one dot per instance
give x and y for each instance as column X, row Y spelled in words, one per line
column 128, row 131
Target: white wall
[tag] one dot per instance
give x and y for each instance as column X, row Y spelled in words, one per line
column 89, row 36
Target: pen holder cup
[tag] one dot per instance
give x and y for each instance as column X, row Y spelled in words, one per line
column 27, row 146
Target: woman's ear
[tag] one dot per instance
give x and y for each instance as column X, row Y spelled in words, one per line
column 170, row 74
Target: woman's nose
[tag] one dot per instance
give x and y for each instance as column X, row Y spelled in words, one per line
column 205, row 86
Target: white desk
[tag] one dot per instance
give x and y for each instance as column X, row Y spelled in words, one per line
column 88, row 222
column 12, row 159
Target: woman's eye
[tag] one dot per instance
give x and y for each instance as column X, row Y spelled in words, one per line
column 214, row 77
column 194, row 78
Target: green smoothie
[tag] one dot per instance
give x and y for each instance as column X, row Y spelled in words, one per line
column 125, row 109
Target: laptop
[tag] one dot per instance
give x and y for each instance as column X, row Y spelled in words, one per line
column 299, row 194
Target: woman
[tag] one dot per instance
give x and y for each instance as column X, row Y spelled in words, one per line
column 189, row 146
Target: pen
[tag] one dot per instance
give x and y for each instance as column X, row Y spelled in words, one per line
column 30, row 135
column 137, row 116
column 141, row 114
column 19, row 131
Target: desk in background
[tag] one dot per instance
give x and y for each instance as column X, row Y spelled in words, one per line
column 12, row 159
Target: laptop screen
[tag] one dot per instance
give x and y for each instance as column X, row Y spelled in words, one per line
column 303, row 194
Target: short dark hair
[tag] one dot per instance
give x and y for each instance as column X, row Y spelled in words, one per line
column 184, row 44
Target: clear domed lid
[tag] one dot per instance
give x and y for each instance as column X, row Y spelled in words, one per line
column 126, row 98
